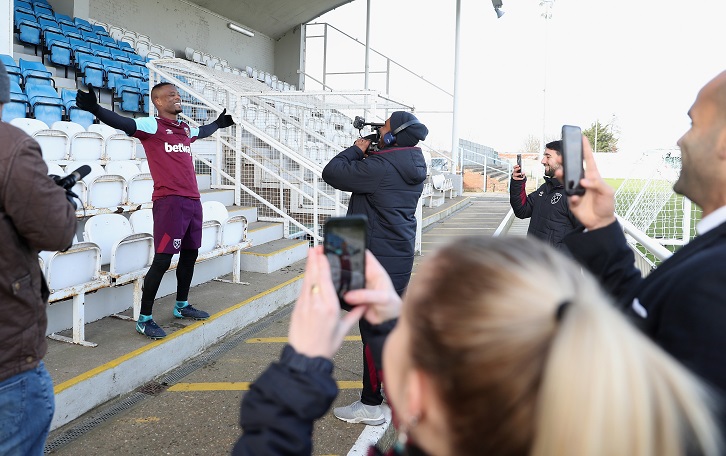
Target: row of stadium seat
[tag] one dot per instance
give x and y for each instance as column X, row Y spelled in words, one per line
column 117, row 250
column 69, row 141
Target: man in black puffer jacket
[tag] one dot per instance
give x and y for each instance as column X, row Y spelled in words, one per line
column 550, row 216
column 386, row 186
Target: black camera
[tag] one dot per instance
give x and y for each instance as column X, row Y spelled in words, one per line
column 359, row 123
column 70, row 180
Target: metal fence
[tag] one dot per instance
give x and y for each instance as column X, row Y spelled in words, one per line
column 273, row 157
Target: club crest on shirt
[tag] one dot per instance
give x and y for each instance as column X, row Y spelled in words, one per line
column 556, row 198
column 177, row 243
column 541, row 193
column 169, row 132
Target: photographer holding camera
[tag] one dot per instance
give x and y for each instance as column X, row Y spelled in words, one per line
column 386, row 181
column 34, row 215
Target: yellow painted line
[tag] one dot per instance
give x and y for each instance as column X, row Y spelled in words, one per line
column 242, row 386
column 283, row 340
column 118, row 361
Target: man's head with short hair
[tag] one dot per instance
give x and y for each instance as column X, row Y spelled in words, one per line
column 552, row 162
column 166, row 99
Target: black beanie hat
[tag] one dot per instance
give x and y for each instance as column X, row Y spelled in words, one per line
column 411, row 135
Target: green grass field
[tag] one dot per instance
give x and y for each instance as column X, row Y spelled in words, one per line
column 668, row 223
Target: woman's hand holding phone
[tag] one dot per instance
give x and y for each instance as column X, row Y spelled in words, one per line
column 378, row 298
column 316, row 326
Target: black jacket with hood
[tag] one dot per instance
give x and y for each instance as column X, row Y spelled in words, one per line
column 386, row 187
column 550, row 216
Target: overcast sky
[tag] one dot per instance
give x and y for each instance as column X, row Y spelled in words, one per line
column 640, row 63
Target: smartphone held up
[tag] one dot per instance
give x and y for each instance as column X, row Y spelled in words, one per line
column 344, row 243
column 572, row 167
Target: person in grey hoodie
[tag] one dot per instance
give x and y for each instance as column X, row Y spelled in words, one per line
column 386, row 186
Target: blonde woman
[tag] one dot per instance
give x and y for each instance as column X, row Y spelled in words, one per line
column 502, row 347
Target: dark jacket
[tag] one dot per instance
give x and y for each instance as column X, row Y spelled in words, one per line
column 278, row 412
column 550, row 216
column 34, row 215
column 680, row 305
column 386, row 187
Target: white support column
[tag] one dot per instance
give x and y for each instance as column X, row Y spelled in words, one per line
column 6, row 27
column 455, row 121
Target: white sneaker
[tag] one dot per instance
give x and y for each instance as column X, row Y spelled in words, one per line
column 358, row 412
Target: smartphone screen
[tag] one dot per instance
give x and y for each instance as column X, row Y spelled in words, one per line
column 519, row 162
column 344, row 243
column 572, row 159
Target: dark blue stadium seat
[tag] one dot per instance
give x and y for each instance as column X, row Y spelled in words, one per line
column 12, row 68
column 18, row 105
column 35, row 72
column 128, row 94
column 74, row 114
column 45, row 102
column 91, row 68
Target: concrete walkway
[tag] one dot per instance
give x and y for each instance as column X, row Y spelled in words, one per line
column 193, row 409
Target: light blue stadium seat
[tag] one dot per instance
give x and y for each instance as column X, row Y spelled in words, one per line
column 12, row 68
column 58, row 49
column 83, row 24
column 128, row 94
column 71, row 31
column 120, row 56
column 100, row 30
column 91, row 68
column 45, row 102
column 114, row 70
column 63, row 19
column 42, row 8
column 18, row 106
column 47, row 21
column 28, row 28
column 76, row 115
column 90, row 36
column 35, row 73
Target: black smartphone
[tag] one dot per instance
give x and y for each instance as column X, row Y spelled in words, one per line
column 344, row 243
column 572, row 159
column 519, row 162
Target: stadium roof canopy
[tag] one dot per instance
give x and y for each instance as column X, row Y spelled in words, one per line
column 273, row 18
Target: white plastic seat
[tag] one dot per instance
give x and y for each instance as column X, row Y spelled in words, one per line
column 53, row 143
column 78, row 265
column 234, row 229
column 103, row 190
column 117, row 146
column 142, row 221
column 139, row 186
column 29, row 125
column 121, row 249
column 84, row 145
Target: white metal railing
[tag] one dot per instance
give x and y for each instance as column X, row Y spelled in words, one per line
column 274, row 156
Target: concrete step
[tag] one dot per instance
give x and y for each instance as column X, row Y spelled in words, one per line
column 273, row 255
column 249, row 212
column 262, row 232
column 68, row 83
column 225, row 196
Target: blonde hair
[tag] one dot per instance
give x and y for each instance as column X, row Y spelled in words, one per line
column 520, row 380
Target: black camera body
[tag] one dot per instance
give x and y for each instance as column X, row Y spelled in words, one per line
column 359, row 123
